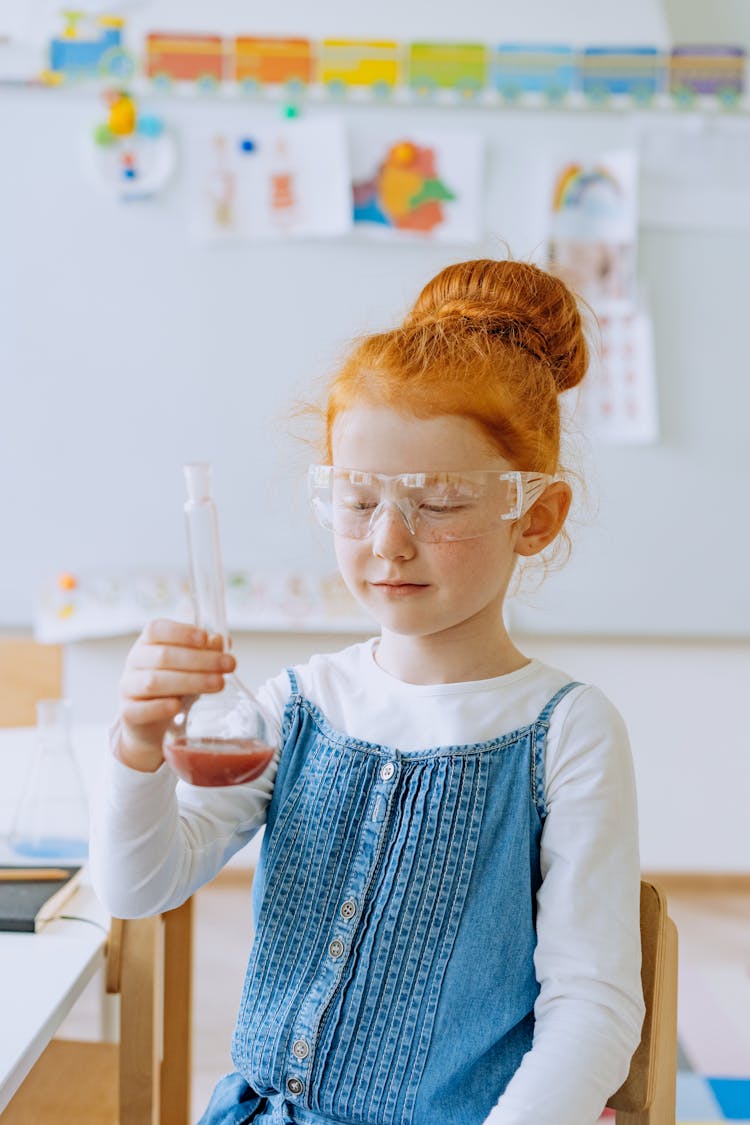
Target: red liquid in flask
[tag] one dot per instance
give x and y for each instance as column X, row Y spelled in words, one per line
column 216, row 761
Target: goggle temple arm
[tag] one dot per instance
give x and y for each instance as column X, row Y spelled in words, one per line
column 528, row 488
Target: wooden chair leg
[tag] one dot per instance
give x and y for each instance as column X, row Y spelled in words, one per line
column 663, row 1109
column 140, row 1027
column 176, row 1068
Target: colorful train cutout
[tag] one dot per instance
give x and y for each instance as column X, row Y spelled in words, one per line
column 101, row 53
column 426, row 69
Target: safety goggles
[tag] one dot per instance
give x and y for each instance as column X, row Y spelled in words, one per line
column 436, row 507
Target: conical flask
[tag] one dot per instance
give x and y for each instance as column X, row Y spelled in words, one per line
column 222, row 738
column 51, row 819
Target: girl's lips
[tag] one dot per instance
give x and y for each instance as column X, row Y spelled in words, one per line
column 399, row 589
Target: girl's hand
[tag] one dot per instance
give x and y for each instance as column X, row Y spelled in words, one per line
column 169, row 661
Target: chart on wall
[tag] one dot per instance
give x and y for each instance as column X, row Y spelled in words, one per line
column 593, row 238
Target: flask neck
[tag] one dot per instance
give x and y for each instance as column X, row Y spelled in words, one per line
column 206, row 574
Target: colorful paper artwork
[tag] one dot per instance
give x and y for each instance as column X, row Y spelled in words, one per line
column 593, row 226
column 424, row 184
column 271, row 61
column 41, row 44
column 519, row 69
column 707, row 70
column 592, row 244
column 90, row 47
column 460, row 69
column 133, row 155
column 183, row 57
column 271, row 181
column 371, row 64
column 634, row 72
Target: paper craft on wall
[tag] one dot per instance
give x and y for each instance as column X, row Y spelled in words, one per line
column 49, row 46
column 417, row 184
column 91, row 45
column 271, row 181
column 592, row 246
column 132, row 155
column 593, row 226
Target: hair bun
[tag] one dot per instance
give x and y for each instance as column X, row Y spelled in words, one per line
column 517, row 303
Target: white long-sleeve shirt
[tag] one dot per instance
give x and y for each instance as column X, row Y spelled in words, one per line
column 156, row 840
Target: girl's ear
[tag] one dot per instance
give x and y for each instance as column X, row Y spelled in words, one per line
column 538, row 527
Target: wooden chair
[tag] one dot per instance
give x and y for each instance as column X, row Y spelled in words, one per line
column 648, row 1095
column 29, row 671
column 145, row 1079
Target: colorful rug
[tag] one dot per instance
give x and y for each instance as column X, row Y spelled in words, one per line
column 711, row 1100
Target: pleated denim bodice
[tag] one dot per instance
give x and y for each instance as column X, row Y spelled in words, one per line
column 391, row 980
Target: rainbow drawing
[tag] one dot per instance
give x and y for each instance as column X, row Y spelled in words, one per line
column 576, row 184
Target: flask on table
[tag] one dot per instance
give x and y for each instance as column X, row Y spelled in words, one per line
column 226, row 737
column 51, row 819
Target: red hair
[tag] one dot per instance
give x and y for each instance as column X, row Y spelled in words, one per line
column 492, row 341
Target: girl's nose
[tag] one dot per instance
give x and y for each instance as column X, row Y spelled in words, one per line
column 391, row 537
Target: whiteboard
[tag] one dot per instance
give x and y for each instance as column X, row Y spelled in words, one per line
column 126, row 350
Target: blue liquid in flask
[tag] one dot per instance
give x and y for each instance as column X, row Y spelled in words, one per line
column 50, row 847
column 51, row 818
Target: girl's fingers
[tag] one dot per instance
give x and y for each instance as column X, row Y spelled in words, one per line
column 163, row 631
column 143, row 712
column 180, row 659
column 154, row 683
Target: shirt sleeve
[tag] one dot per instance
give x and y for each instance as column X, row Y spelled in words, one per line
column 155, row 840
column 590, row 1008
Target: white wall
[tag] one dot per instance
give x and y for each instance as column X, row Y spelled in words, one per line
column 125, row 349
column 683, row 703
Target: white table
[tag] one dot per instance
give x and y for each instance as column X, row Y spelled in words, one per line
column 42, row 975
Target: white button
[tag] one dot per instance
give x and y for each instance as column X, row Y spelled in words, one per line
column 300, row 1049
column 294, row 1086
column 348, row 909
column 336, row 948
column 387, row 771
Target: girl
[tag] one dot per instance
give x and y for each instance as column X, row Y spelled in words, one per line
column 447, row 899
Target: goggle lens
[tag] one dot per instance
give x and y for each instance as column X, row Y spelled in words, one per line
column 436, row 507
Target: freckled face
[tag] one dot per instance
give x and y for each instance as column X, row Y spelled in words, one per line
column 413, row 588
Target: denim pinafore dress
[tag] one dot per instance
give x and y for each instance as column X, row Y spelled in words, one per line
column 391, row 980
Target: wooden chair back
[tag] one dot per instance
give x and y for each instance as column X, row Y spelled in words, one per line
column 29, row 671
column 648, row 1095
